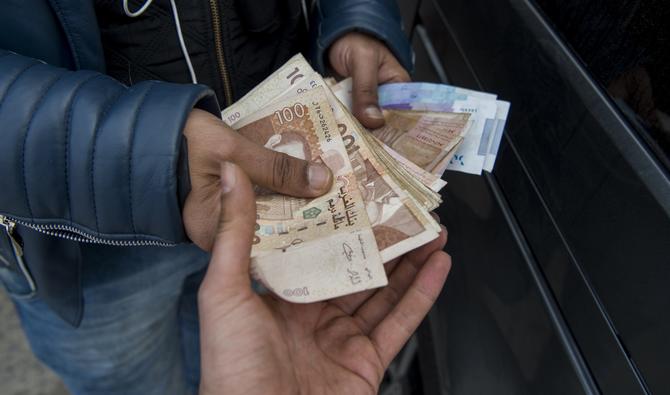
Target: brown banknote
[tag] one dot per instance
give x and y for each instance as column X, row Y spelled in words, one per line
column 310, row 250
column 427, row 139
column 398, row 222
column 290, row 73
column 410, row 176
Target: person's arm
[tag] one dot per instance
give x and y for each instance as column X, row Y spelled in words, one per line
column 86, row 155
column 363, row 40
column 87, row 158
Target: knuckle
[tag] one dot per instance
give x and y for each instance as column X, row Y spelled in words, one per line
column 367, row 91
column 366, row 52
column 405, row 320
column 283, row 173
column 391, row 296
column 228, row 145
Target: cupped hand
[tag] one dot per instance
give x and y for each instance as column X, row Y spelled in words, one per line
column 369, row 63
column 253, row 344
column 210, row 142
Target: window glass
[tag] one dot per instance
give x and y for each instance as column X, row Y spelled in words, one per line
column 626, row 46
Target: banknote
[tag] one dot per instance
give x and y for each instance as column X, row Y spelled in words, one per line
column 292, row 72
column 425, row 138
column 342, row 90
column 501, row 119
column 418, row 91
column 310, row 250
column 471, row 155
column 398, row 222
column 279, row 82
column 427, row 198
column 432, row 181
column 396, row 168
column 385, row 181
column 422, row 193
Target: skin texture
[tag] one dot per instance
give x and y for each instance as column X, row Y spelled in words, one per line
column 253, row 344
column 210, row 142
column 369, row 63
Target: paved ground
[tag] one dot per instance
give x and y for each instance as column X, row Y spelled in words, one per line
column 20, row 372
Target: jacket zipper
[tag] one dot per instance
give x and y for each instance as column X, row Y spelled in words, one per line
column 9, row 226
column 220, row 58
column 72, row 233
column 9, row 230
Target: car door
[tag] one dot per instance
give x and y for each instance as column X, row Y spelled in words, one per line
column 561, row 254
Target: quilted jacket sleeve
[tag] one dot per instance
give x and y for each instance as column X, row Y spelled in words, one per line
column 86, row 156
column 379, row 18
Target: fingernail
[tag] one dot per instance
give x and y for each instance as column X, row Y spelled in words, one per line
column 228, row 178
column 435, row 216
column 373, row 112
column 318, row 176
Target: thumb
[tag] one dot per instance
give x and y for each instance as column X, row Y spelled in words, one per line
column 229, row 267
column 364, row 91
column 281, row 172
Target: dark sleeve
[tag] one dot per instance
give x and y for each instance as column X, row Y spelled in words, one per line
column 86, row 157
column 379, row 18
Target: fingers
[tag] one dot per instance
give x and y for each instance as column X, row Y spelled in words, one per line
column 369, row 62
column 280, row 172
column 396, row 328
column 210, row 141
column 384, row 300
column 392, row 71
column 229, row 267
column 364, row 72
column 420, row 255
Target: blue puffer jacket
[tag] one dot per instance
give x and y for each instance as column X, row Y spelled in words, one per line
column 87, row 159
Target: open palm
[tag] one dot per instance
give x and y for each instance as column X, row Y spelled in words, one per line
column 261, row 344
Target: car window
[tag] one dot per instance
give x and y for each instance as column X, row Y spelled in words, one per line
column 625, row 44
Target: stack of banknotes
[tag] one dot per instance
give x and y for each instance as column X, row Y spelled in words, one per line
column 386, row 181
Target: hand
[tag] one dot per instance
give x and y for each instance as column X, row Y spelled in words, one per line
column 635, row 88
column 253, row 344
column 369, row 63
column 210, row 142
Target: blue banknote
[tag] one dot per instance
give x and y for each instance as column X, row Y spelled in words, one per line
column 480, row 146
